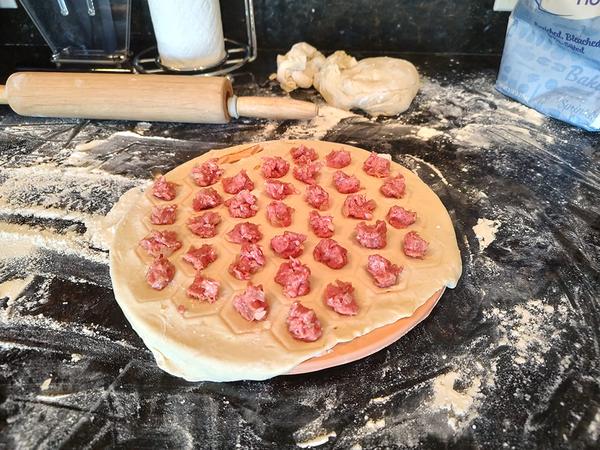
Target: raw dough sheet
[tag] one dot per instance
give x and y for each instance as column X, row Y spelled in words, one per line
column 212, row 341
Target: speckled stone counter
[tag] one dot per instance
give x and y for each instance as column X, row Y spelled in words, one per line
column 509, row 359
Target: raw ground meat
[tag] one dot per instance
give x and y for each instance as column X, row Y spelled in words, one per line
column 207, row 173
column 322, row 226
column 414, row 245
column 248, row 262
column 251, row 303
column 274, row 167
column 279, row 190
column 159, row 243
column 317, row 197
column 398, row 217
column 371, row 236
column 237, row 183
column 288, row 244
column 200, row 258
column 160, row 273
column 340, row 298
column 303, row 323
column 206, row 198
column 204, row 225
column 244, row 232
column 163, row 189
column 358, row 207
column 307, row 173
column 204, row 289
column 384, row 273
column 294, row 277
column 345, row 184
column 338, row 159
column 303, row 154
column 163, row 215
column 279, row 214
column 242, row 205
column 393, row 187
column 377, row 166
column 330, row 253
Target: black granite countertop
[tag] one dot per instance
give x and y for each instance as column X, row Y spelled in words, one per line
column 508, row 359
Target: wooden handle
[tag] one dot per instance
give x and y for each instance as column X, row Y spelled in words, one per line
column 120, row 96
column 275, row 108
column 3, row 99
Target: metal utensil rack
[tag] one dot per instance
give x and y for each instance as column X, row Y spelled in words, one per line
column 237, row 53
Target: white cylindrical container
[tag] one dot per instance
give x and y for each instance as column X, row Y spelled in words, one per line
column 189, row 33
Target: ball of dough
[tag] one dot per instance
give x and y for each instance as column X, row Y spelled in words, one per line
column 379, row 86
column 298, row 66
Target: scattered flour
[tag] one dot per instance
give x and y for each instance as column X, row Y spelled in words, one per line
column 445, row 396
column 431, row 166
column 474, row 115
column 22, row 240
column 268, row 132
column 46, row 384
column 379, row 400
column 426, row 133
column 142, row 127
column 83, row 147
column 76, row 357
column 73, row 199
column 317, row 440
column 375, row 424
column 485, row 232
column 101, row 334
column 317, row 128
column 93, row 223
column 594, row 428
column 52, row 398
column 12, row 288
column 450, row 405
column 527, row 328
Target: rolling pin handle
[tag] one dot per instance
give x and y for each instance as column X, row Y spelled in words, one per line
column 232, row 106
column 278, row 108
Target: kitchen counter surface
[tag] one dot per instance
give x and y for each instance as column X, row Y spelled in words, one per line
column 508, row 359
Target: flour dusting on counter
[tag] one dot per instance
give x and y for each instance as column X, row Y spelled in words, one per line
column 327, row 118
column 12, row 288
column 507, row 360
column 485, row 232
column 526, row 329
column 431, row 166
column 426, row 133
column 317, row 440
column 447, row 397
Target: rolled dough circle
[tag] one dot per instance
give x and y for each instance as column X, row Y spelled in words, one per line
column 211, row 342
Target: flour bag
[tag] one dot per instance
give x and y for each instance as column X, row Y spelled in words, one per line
column 551, row 59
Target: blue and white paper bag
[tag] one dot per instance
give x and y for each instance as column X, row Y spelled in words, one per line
column 551, row 59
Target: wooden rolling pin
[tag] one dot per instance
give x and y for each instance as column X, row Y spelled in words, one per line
column 166, row 98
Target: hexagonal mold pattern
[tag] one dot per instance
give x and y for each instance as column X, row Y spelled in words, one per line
column 280, row 331
column 238, row 324
column 183, row 191
column 182, row 214
column 198, row 308
column 361, row 275
column 145, row 293
column 344, row 233
column 147, row 259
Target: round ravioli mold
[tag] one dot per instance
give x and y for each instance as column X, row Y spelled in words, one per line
column 231, row 348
